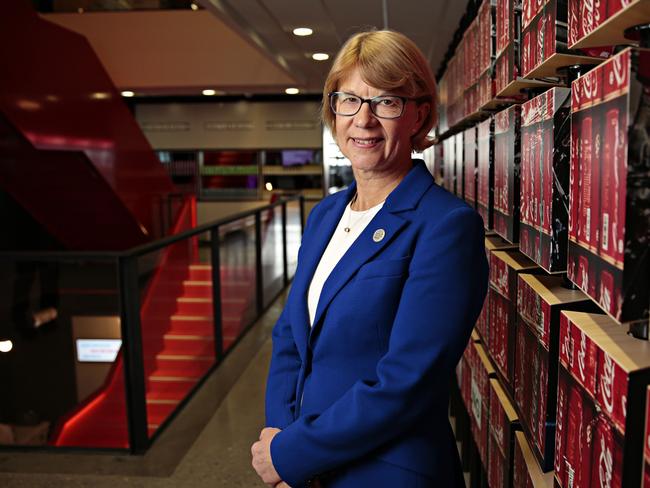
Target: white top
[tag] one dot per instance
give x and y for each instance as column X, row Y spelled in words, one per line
column 337, row 247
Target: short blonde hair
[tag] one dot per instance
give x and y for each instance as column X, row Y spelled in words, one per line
column 389, row 61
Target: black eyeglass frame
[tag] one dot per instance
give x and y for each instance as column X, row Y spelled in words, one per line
column 369, row 101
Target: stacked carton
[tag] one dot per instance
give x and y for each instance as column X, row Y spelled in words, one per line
column 508, row 25
column 609, row 217
column 545, row 149
column 507, row 126
column 469, row 166
column 485, row 167
column 502, row 426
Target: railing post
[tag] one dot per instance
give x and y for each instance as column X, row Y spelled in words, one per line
column 132, row 354
column 259, row 282
column 216, row 291
column 285, row 263
column 302, row 214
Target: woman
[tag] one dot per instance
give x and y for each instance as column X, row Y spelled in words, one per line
column 391, row 278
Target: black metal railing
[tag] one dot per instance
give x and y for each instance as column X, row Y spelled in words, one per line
column 130, row 286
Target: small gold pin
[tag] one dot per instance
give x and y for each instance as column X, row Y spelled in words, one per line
column 379, row 235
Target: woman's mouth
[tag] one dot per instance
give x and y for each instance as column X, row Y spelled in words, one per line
column 366, row 141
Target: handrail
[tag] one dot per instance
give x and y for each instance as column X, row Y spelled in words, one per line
column 143, row 248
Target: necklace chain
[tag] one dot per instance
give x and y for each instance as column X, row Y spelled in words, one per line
column 363, row 213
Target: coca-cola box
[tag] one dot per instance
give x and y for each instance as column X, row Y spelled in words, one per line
column 609, row 213
column 646, row 447
column 449, row 166
column 507, row 138
column 508, row 34
column 481, row 372
column 544, row 166
column 504, row 421
column 459, row 155
column 464, row 376
column 526, row 471
column 469, row 166
column 607, row 395
column 540, row 298
column 587, row 15
column 485, row 154
column 502, row 296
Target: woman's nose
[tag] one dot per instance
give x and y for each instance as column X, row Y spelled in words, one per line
column 364, row 117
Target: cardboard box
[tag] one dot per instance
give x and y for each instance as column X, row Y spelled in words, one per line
column 503, row 423
column 587, row 15
column 506, row 67
column 545, row 149
column 459, row 154
column 609, row 217
column 508, row 20
column 481, row 372
column 502, row 293
column 526, row 471
column 469, row 166
column 449, row 166
column 607, row 393
column 507, row 126
column 485, row 191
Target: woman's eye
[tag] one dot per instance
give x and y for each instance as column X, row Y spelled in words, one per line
column 386, row 102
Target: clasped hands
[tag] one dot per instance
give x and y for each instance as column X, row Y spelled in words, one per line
column 262, row 462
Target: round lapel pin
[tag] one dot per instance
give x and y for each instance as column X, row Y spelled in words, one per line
column 379, row 235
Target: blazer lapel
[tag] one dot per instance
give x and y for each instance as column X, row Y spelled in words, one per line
column 361, row 251
column 313, row 250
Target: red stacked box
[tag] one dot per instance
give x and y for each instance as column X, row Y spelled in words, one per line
column 487, row 40
column 602, row 385
column 526, row 473
column 449, row 166
column 646, row 448
column 464, row 375
column 587, row 15
column 502, row 425
column 481, row 372
column 469, row 166
column 502, row 296
column 539, row 301
column 507, row 126
column 485, row 192
column 492, row 243
column 508, row 18
column 545, row 143
column 459, row 156
column 609, row 218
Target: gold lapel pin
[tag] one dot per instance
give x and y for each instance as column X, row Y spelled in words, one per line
column 379, row 235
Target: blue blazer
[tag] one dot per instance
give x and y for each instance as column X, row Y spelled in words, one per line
column 371, row 377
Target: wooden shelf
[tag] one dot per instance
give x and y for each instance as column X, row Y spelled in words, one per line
column 552, row 291
column 549, row 68
column 515, row 87
column 497, row 104
column 611, row 32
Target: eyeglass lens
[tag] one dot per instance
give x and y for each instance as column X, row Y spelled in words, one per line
column 388, row 107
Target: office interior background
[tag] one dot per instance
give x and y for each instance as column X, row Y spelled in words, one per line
column 158, row 160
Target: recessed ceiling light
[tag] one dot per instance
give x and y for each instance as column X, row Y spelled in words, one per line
column 194, row 6
column 269, row 186
column 320, row 56
column 6, row 346
column 100, row 95
column 291, row 91
column 127, row 93
column 209, row 93
column 302, row 31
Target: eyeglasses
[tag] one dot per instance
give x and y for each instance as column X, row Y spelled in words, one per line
column 383, row 106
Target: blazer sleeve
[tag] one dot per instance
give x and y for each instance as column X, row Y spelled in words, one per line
column 440, row 302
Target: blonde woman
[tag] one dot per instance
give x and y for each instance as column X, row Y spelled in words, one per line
column 391, row 278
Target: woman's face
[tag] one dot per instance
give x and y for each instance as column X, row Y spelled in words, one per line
column 372, row 143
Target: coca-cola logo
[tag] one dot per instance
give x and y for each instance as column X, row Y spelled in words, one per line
column 590, row 85
column 582, row 353
column 596, row 18
column 617, row 74
column 605, row 465
column 607, row 382
column 587, row 15
column 605, row 297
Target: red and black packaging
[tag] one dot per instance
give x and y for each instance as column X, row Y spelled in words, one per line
column 449, row 166
column 544, row 166
column 481, row 372
column 507, row 137
column 502, row 426
column 614, row 411
column 587, row 15
column 609, row 218
column 508, row 38
column 502, row 296
column 470, row 171
column 526, row 471
column 485, row 156
column 458, row 171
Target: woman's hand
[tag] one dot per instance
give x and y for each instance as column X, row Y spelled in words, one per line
column 262, row 462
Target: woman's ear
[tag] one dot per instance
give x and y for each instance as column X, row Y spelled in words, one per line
column 422, row 114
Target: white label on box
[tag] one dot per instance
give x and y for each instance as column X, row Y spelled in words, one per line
column 476, row 403
column 97, row 350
